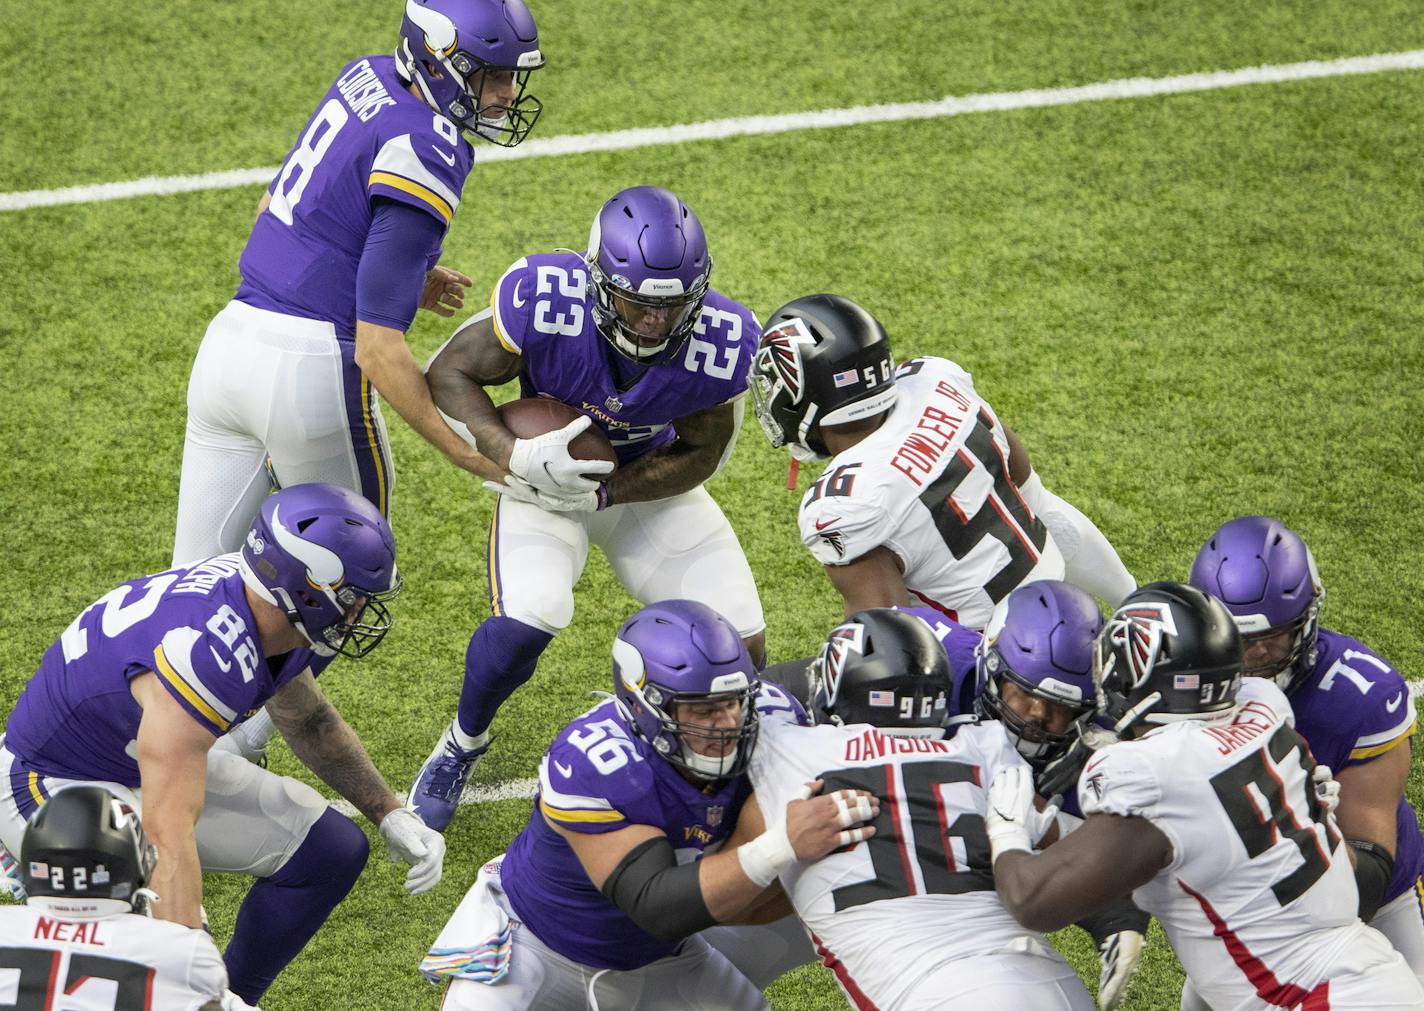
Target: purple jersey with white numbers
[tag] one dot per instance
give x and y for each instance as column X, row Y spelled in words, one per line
column 368, row 138
column 192, row 627
column 1353, row 707
column 959, row 645
column 599, row 777
column 543, row 311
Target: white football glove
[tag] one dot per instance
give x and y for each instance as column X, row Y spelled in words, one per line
column 411, row 840
column 545, row 463
column 1118, row 956
column 562, row 502
column 232, row 1002
column 1012, row 820
column 1327, row 790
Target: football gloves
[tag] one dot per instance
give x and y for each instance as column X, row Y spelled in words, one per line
column 1118, row 955
column 1012, row 820
column 411, row 840
column 1327, row 790
column 545, row 463
column 560, row 502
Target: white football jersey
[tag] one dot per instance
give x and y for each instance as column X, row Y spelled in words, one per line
column 887, row 913
column 932, row 485
column 123, row 962
column 1259, row 900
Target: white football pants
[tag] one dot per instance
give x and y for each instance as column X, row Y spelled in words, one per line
column 680, row 547
column 268, row 386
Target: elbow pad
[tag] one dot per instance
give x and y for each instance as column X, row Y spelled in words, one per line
column 661, row 896
column 1373, row 869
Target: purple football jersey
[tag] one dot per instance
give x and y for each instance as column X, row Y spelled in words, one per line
column 1351, row 708
column 543, row 310
column 192, row 627
column 599, row 777
column 368, row 138
column 959, row 645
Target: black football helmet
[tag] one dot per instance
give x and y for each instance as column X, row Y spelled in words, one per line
column 822, row 360
column 1169, row 652
column 881, row 667
column 84, row 852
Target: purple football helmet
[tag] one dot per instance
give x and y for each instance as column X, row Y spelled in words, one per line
column 648, row 270
column 1265, row 575
column 679, row 652
column 325, row 556
column 1040, row 640
column 454, row 51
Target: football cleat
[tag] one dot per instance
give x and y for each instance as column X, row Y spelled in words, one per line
column 435, row 794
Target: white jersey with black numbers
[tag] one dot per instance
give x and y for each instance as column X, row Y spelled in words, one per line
column 1259, row 900
column 123, row 962
column 888, row 913
column 932, row 485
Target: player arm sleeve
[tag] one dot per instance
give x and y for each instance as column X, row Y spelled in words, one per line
column 1089, row 559
column 661, row 896
column 391, row 273
column 1374, row 868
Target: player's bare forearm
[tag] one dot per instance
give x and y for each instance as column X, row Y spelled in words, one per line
column 1369, row 798
column 689, row 461
column 326, row 744
column 726, row 889
column 1103, row 860
column 383, row 355
column 173, row 770
column 772, row 905
column 458, row 374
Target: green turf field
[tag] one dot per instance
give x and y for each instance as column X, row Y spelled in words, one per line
column 1189, row 307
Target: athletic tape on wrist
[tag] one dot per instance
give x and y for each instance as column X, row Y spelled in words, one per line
column 767, row 855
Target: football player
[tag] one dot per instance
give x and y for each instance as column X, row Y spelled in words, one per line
column 1352, row 707
column 137, row 689
column 284, row 386
column 85, row 865
column 910, row 919
column 630, row 333
column 599, row 900
column 928, row 498
column 1208, row 810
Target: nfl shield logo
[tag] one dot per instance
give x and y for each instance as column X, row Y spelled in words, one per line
column 613, row 403
column 714, row 815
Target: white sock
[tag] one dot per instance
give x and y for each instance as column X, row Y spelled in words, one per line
column 464, row 740
column 1089, row 560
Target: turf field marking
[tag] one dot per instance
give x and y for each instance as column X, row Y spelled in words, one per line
column 719, row 129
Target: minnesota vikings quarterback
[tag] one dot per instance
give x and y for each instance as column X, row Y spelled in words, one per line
column 136, row 691
column 599, row 901
column 347, row 237
column 630, row 333
column 1351, row 706
column 928, row 497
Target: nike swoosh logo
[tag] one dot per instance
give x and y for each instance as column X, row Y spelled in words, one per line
column 449, row 159
column 1393, row 704
column 225, row 665
column 822, row 526
column 518, row 302
column 565, row 769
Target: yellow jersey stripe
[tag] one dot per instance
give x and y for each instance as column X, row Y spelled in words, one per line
column 425, row 193
column 35, row 792
column 492, row 561
column 1380, row 749
column 579, row 816
column 498, row 330
column 366, row 396
column 166, row 671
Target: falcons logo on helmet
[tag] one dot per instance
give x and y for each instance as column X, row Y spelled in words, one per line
column 780, row 352
column 842, row 641
column 1136, row 634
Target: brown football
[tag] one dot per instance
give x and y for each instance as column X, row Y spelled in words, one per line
column 533, row 416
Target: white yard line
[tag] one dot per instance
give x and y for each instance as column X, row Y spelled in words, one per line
column 718, row 129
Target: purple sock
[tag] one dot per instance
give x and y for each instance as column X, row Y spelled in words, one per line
column 282, row 912
column 501, row 657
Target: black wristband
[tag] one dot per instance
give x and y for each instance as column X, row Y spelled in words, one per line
column 1373, row 869
column 1119, row 915
column 659, row 895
